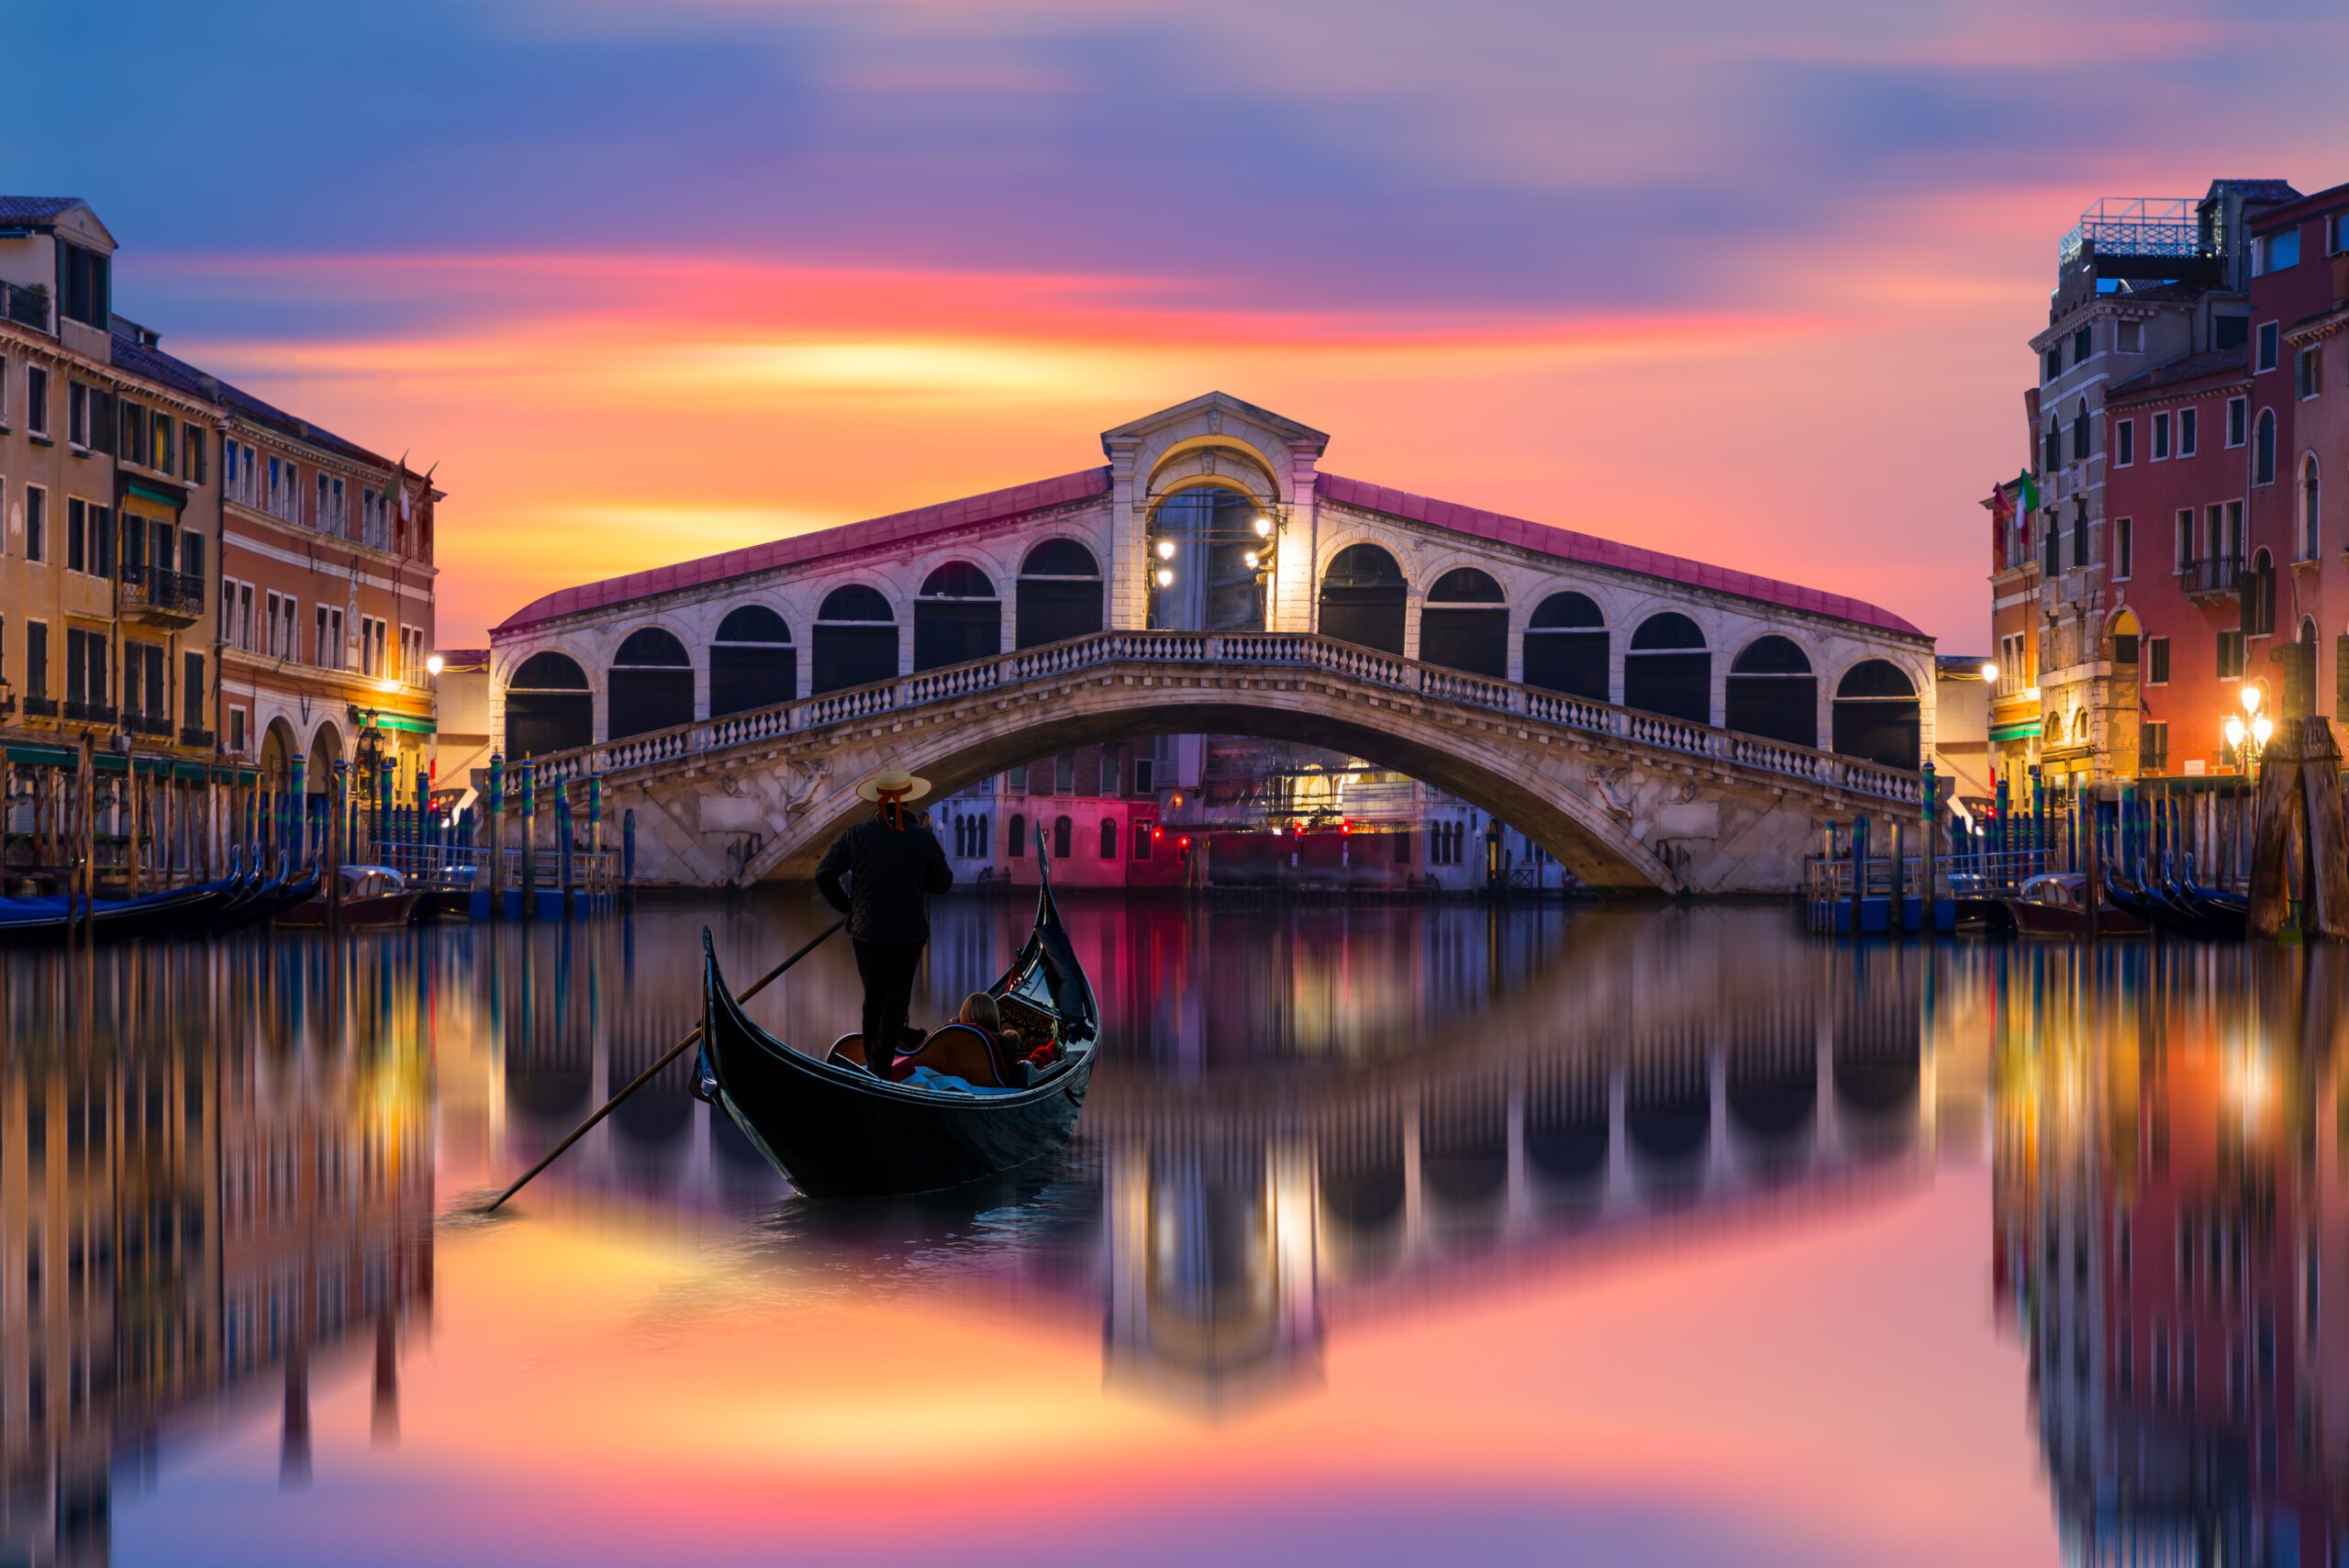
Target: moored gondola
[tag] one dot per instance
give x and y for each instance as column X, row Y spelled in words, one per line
column 836, row 1130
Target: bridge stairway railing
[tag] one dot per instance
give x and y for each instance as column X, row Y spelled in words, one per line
column 1182, row 649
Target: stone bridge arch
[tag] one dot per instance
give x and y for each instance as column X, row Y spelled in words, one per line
column 1489, row 770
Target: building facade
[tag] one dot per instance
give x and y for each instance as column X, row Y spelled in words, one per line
column 201, row 586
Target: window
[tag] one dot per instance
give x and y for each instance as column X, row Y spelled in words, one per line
column 2080, row 533
column 86, row 685
column 191, row 691
column 1017, row 848
column 2185, row 557
column 372, row 633
column 411, row 669
column 2050, row 447
column 2282, row 250
column 36, row 523
column 1063, row 833
column 2157, row 661
column 2128, row 337
column 2123, row 548
column 77, row 528
column 1065, row 774
column 1108, row 838
column 2230, row 655
column 2050, row 364
column 4, row 392
column 166, row 458
column 2189, row 432
column 2238, row 413
column 2270, row 338
column 2152, row 746
column 37, row 400
column 2080, row 431
column 2263, row 448
column 2082, row 345
column 279, row 609
column 2161, row 436
column 1144, row 830
column 192, row 453
column 328, row 650
column 2311, row 509
column 237, row 731
column 88, row 286
column 2124, row 443
column 136, row 447
column 77, row 413
column 37, row 660
column 2308, row 370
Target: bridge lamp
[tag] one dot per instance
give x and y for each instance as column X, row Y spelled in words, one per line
column 1989, row 673
column 1264, row 526
column 1251, row 558
column 2261, row 729
column 2251, row 696
column 434, row 664
column 2234, row 730
column 1165, row 578
column 1166, row 550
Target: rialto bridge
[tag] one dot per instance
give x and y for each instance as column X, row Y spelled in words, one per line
column 1653, row 721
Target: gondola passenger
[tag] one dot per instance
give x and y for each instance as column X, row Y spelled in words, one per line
column 893, row 864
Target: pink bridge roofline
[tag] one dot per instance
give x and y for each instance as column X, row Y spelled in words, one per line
column 997, row 505
column 1589, row 549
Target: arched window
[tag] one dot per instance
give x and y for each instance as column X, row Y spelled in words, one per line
column 2311, row 535
column 2259, row 595
column 2300, row 679
column 957, row 619
column 1063, row 833
column 1464, row 624
column 1772, row 692
column 751, row 662
column 2080, row 428
column 856, row 639
column 1018, row 845
column 1362, row 599
column 547, row 708
column 1667, row 670
column 2263, row 448
column 652, row 684
column 1108, row 838
column 1059, row 595
column 1566, row 647
column 1877, row 714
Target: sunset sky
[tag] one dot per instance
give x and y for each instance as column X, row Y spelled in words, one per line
column 1746, row 283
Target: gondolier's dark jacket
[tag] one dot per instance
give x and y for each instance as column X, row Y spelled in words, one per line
column 892, row 873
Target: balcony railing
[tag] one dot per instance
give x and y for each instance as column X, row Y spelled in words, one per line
column 40, row 708
column 89, row 712
column 2137, row 225
column 190, row 735
column 157, row 595
column 147, row 723
column 2213, row 576
column 27, row 305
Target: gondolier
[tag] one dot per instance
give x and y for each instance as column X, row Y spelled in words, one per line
column 892, row 864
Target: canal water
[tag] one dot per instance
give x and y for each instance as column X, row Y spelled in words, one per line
column 1433, row 1233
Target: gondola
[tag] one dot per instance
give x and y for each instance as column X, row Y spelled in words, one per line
column 41, row 922
column 835, row 1131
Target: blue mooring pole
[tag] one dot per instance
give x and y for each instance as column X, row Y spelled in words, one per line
column 562, row 839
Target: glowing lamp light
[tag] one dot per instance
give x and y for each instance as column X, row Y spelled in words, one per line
column 2234, row 731
column 2261, row 729
column 1251, row 558
column 1165, row 578
column 1156, row 834
column 434, row 664
column 1166, row 550
column 1276, row 832
column 1184, row 842
column 2251, row 695
column 1264, row 526
column 1989, row 673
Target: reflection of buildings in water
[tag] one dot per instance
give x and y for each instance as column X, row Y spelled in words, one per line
column 2167, row 1175
column 1247, row 1217
column 204, row 1196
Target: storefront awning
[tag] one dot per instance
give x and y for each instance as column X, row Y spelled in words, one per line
column 399, row 721
column 2023, row 729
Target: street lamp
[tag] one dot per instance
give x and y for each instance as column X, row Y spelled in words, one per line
column 1989, row 673
column 434, row 664
column 2247, row 732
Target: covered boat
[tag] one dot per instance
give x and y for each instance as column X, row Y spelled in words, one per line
column 834, row 1129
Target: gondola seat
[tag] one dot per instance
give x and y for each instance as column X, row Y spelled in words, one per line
column 952, row 1051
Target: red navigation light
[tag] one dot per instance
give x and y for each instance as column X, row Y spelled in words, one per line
column 1156, row 834
column 1345, row 826
column 1183, row 843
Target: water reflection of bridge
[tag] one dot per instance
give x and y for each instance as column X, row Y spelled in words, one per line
column 1296, row 1129
column 216, row 1175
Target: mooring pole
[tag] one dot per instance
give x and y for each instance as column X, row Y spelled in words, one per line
column 526, row 791
column 495, row 823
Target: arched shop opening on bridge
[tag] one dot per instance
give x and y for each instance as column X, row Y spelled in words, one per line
column 752, row 664
column 650, row 683
column 1464, row 624
column 548, row 706
column 957, row 619
column 1363, row 599
column 1773, row 693
column 1060, row 595
column 1566, row 647
column 856, row 639
column 1877, row 713
column 1667, row 670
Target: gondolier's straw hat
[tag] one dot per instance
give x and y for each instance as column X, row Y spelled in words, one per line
column 893, row 783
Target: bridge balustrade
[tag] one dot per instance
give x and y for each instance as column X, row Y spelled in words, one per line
column 1234, row 650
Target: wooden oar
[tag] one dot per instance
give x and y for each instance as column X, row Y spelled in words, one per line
column 646, row 1076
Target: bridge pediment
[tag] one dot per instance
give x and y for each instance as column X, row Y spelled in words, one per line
column 1211, row 437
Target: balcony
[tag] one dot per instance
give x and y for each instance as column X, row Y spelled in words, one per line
column 40, row 708
column 161, row 598
column 89, row 712
column 147, row 724
column 27, row 305
column 2213, row 579
column 199, row 739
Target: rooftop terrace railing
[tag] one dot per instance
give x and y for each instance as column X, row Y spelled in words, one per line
column 2137, row 225
column 1229, row 650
